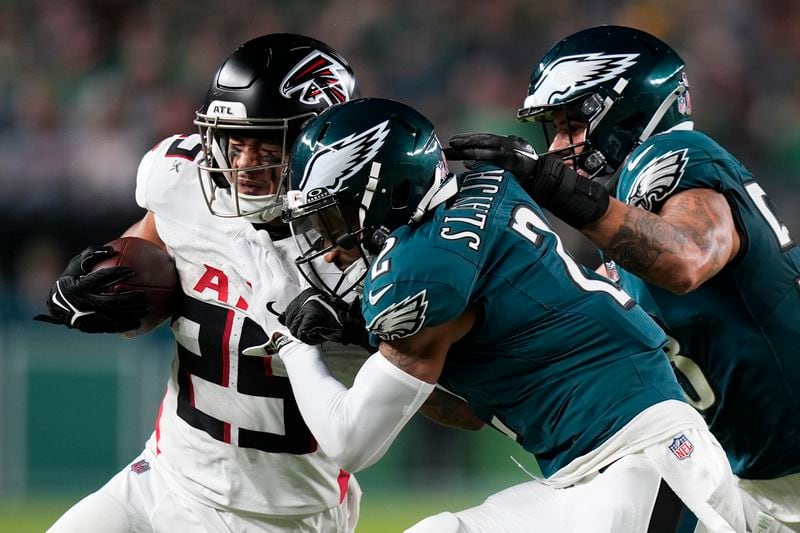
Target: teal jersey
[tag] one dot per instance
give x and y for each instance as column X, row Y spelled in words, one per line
column 559, row 355
column 736, row 336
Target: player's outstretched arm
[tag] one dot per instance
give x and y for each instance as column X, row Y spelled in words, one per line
column 356, row 426
column 689, row 241
column 314, row 317
column 691, row 238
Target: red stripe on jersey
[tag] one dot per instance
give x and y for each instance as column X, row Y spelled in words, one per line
column 226, row 350
column 343, row 479
column 242, row 304
column 268, row 365
column 226, row 432
column 158, row 423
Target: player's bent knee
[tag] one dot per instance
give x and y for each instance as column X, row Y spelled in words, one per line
column 97, row 512
column 440, row 523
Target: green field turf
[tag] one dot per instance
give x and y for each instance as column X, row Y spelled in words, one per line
column 457, row 470
column 381, row 513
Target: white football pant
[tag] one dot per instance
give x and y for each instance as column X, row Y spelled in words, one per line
column 139, row 499
column 619, row 499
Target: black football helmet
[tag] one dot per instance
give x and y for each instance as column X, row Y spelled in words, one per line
column 359, row 171
column 267, row 89
column 625, row 84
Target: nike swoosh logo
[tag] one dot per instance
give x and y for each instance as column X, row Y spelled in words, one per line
column 76, row 313
column 529, row 155
column 373, row 296
column 271, row 308
column 635, row 161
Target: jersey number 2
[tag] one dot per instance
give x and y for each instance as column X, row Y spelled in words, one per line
column 532, row 227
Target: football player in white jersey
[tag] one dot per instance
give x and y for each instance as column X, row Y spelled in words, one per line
column 230, row 451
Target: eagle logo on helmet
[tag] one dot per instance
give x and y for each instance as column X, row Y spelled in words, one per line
column 344, row 158
column 577, row 72
column 401, row 319
column 317, row 78
column 656, row 181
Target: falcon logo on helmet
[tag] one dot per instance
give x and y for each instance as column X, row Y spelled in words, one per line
column 344, row 158
column 317, row 78
column 577, row 72
column 658, row 179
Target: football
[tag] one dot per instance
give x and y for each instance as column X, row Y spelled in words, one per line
column 155, row 274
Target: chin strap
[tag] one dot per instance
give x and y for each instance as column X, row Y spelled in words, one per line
column 440, row 192
column 252, row 209
column 660, row 112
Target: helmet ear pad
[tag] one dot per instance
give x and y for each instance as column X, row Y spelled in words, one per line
column 401, row 195
column 375, row 238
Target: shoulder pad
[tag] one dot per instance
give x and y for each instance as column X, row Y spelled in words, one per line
column 174, row 155
column 666, row 164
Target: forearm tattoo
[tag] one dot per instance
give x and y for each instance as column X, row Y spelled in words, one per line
column 644, row 238
column 449, row 410
column 399, row 358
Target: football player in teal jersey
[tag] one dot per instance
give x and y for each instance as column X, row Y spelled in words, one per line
column 463, row 283
column 714, row 262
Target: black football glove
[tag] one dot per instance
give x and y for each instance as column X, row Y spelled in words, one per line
column 511, row 153
column 76, row 301
column 315, row 317
column 575, row 199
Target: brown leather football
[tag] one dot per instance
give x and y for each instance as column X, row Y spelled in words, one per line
column 154, row 273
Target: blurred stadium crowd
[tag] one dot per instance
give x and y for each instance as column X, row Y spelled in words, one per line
column 87, row 86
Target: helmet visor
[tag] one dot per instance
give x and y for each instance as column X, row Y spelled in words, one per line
column 321, row 228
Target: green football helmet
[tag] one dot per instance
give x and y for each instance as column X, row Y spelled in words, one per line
column 359, row 171
column 625, row 84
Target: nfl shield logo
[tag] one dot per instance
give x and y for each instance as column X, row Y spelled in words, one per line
column 681, row 447
column 611, row 270
column 140, row 467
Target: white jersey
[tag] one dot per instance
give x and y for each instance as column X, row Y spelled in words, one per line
column 229, row 428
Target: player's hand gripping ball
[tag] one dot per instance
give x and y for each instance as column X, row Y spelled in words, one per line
column 154, row 274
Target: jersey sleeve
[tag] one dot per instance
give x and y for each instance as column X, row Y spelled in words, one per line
column 413, row 285
column 667, row 165
column 167, row 172
column 144, row 172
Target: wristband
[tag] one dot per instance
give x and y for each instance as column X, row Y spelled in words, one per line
column 575, row 199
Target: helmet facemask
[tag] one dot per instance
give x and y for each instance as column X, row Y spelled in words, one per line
column 320, row 227
column 581, row 153
column 218, row 177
